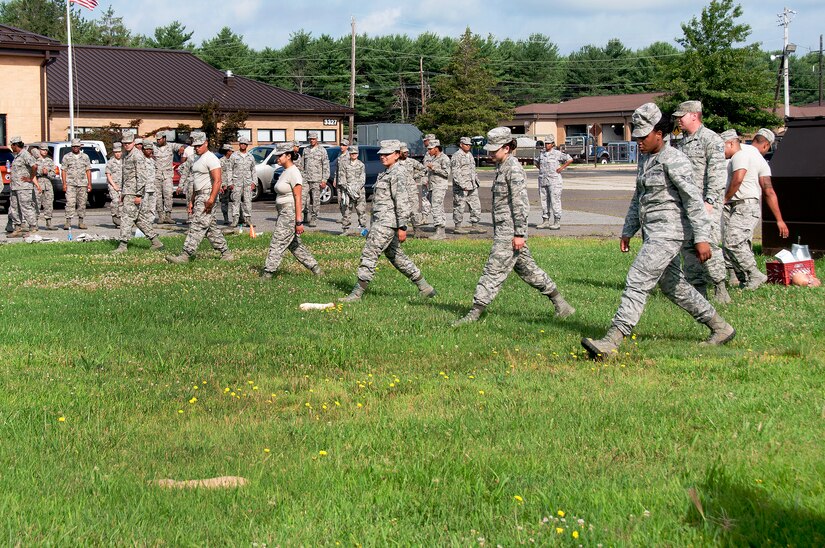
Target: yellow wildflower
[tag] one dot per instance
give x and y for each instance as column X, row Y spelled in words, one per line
column 560, row 513
column 322, row 453
column 193, row 400
column 61, row 419
column 266, row 450
column 559, row 530
column 518, row 499
column 575, row 534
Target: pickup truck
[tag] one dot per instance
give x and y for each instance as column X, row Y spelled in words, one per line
column 580, row 147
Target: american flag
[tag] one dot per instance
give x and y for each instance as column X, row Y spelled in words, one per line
column 88, row 4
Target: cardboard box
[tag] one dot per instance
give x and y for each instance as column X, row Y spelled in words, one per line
column 780, row 273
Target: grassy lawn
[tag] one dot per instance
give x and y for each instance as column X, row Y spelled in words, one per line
column 377, row 423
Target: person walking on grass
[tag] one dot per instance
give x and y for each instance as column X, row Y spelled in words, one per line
column 511, row 209
column 669, row 210
column 289, row 225
column 388, row 230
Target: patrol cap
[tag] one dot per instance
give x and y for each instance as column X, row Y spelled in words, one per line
column 43, row 146
column 550, row 139
column 389, row 146
column 116, row 147
column 497, row 138
column 429, row 137
column 729, row 135
column 686, row 107
column 404, row 147
column 465, row 141
column 138, row 141
column 243, row 141
column 75, row 142
column 344, row 142
column 16, row 140
column 283, row 148
column 160, row 135
column 313, row 135
column 198, row 138
column 127, row 137
column 149, row 145
column 295, row 144
column 433, row 143
column 767, row 134
column 644, row 118
column 354, row 149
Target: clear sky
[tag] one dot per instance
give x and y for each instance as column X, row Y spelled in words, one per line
column 637, row 23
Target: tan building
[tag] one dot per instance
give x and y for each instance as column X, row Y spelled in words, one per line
column 23, row 60
column 605, row 116
column 164, row 88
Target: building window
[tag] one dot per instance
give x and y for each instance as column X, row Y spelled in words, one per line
column 271, row 135
column 329, row 136
column 244, row 133
column 324, row 136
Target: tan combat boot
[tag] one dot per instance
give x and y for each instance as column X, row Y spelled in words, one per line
column 356, row 293
column 472, row 316
column 563, row 308
column 606, row 346
column 721, row 332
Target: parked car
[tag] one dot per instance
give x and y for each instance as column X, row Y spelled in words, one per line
column 6, row 158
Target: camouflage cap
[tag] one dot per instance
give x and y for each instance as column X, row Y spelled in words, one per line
column 127, row 137
column 283, row 148
column 149, row 145
column 354, row 149
column 15, row 140
column 117, row 147
column 767, row 134
column 429, row 137
column 75, row 142
column 295, row 144
column 729, row 135
column 550, row 139
column 243, row 141
column 226, row 147
column 161, row 135
column 312, row 135
column 404, row 147
column 43, row 146
column 465, row 141
column 433, row 143
column 198, row 138
column 644, row 118
column 389, row 146
column 138, row 141
column 344, row 142
column 688, row 106
column 497, row 138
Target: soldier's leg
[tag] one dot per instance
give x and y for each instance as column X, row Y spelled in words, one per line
column 555, row 200
column 246, row 204
column 71, row 203
column 47, row 199
column 527, row 269
column 378, row 240
column 680, row 292
column 198, row 226
column 14, row 212
column 459, row 199
column 215, row 235
column 168, row 193
column 475, row 206
column 315, row 202
column 146, row 218
column 694, row 270
column 361, row 209
column 128, row 218
column 645, row 272
column 545, row 200
column 114, row 204
column 28, row 216
column 38, row 202
column 400, row 261
column 282, row 236
column 426, row 205
column 235, row 200
column 715, row 266
column 439, row 217
column 302, row 253
column 82, row 197
column 498, row 267
column 345, row 208
column 738, row 236
column 414, row 193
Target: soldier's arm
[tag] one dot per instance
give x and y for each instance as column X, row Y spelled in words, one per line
column 681, row 175
column 362, row 175
column 442, row 168
column 398, row 189
column 63, row 166
column 717, row 172
column 773, row 204
column 324, row 167
column 519, row 203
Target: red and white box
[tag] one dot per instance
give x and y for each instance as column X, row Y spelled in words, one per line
column 781, row 273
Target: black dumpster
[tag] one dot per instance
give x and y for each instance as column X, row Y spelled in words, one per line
column 798, row 168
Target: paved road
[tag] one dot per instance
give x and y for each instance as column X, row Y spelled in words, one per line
column 595, row 201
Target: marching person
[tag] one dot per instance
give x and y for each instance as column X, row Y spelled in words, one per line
column 243, row 181
column 316, row 172
column 668, row 208
column 45, row 171
column 163, row 165
column 551, row 162
column 390, row 215
column 438, row 173
column 511, row 209
column 465, row 189
column 226, row 183
column 350, row 180
column 206, row 183
column 289, row 225
column 415, row 189
column 426, row 206
column 114, row 177
column 76, row 172
column 24, row 183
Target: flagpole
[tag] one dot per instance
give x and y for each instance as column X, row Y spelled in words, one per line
column 71, row 76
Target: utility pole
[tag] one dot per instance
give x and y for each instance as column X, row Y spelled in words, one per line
column 421, row 73
column 820, row 70
column 352, row 85
column 785, row 21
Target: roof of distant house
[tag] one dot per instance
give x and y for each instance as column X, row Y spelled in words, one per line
column 14, row 38
column 133, row 79
column 597, row 104
column 807, row 111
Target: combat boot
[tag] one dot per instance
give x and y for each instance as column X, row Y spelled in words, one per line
column 755, row 280
column 16, row 233
column 49, row 225
column 227, row 256
column 356, row 293
column 721, row 331
column 720, row 293
column 439, row 234
column 461, row 229
column 555, row 226
column 472, row 316
column 316, row 270
column 183, row 258
column 545, row 223
column 476, row 228
column 606, row 346
column 115, row 221
column 563, row 308
column 266, row 275
column 121, row 248
column 81, row 225
column 67, row 225
column 157, row 245
column 425, row 290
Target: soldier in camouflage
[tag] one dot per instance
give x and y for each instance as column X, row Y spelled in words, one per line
column 226, row 183
column 45, row 171
column 551, row 162
column 206, row 184
column 438, row 173
column 668, row 207
column 706, row 152
column 114, row 176
column 164, row 189
column 184, row 175
column 315, row 172
column 244, row 179
column 390, row 216
column 465, row 189
column 133, row 181
column 511, row 208
column 426, row 205
column 415, row 181
column 76, row 172
column 150, row 169
column 23, row 185
column 351, row 175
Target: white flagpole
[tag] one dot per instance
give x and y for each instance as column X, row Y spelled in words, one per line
column 71, row 76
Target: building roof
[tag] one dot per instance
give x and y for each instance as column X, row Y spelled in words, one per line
column 19, row 39
column 132, row 79
column 597, row 104
column 807, row 111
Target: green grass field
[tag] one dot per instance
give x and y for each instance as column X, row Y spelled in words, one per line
column 378, row 424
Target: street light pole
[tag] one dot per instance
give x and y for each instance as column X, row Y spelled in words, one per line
column 785, row 21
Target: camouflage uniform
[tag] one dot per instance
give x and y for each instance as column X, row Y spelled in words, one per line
column 419, row 204
column 465, row 188
column 243, row 177
column 150, row 197
column 351, row 177
column 226, row 193
column 185, row 182
column 706, row 152
column 550, row 183
column 114, row 168
column 284, row 236
column 315, row 171
column 22, row 192
column 668, row 207
column 45, row 198
column 438, row 182
column 511, row 208
column 75, row 167
column 133, row 185
column 202, row 223
column 164, row 188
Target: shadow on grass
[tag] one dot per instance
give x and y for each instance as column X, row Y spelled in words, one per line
column 739, row 515
column 590, row 282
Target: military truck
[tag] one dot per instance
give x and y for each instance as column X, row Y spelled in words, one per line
column 580, row 147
